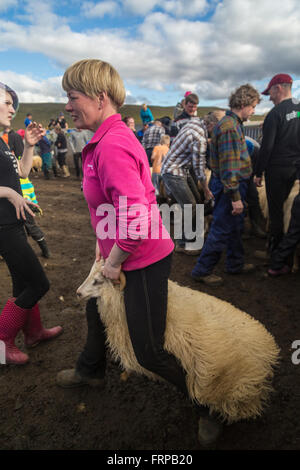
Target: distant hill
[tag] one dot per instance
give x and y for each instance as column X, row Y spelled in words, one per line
column 43, row 112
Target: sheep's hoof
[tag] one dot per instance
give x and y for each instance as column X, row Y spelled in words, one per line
column 209, row 430
column 124, row 376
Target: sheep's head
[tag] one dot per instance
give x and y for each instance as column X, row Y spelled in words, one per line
column 95, row 283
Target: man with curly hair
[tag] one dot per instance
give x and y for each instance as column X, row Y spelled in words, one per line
column 231, row 170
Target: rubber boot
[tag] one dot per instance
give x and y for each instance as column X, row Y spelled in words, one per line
column 66, row 171
column 33, row 330
column 44, row 248
column 12, row 320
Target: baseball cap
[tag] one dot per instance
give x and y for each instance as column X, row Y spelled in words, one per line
column 187, row 93
column 12, row 93
column 277, row 80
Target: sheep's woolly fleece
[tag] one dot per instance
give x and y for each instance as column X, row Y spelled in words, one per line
column 229, row 356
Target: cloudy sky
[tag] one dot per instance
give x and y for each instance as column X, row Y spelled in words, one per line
column 161, row 48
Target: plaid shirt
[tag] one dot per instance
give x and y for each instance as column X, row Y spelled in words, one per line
column 181, row 121
column 229, row 157
column 188, row 151
column 152, row 136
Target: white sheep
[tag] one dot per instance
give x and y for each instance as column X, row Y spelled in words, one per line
column 228, row 355
column 37, row 163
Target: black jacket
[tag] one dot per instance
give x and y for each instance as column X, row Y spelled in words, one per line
column 9, row 177
column 281, row 136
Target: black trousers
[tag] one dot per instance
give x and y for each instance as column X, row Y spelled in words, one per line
column 146, row 295
column 32, row 229
column 149, row 154
column 283, row 253
column 61, row 158
column 29, row 280
column 78, row 167
column 252, row 199
column 279, row 182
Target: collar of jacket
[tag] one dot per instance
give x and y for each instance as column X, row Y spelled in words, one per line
column 104, row 128
column 235, row 116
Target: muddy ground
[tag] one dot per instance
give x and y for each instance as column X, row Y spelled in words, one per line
column 139, row 414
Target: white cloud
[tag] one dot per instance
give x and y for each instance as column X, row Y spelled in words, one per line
column 177, row 8
column 100, row 9
column 30, row 90
column 185, row 8
column 140, row 7
column 7, row 4
column 242, row 42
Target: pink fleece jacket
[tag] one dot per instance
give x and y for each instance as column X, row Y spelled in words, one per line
column 121, row 198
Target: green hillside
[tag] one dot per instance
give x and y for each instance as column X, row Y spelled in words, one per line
column 43, row 112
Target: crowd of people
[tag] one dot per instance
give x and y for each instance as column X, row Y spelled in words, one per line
column 216, row 145
column 180, row 152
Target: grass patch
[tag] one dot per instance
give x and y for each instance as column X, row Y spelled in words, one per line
column 43, row 112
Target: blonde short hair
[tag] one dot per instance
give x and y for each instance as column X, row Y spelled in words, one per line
column 93, row 76
column 165, row 139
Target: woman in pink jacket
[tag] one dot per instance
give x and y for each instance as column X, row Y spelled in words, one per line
column 125, row 217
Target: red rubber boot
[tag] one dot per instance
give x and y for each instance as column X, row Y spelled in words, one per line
column 12, row 320
column 34, row 331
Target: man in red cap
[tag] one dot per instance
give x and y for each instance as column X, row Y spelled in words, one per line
column 280, row 150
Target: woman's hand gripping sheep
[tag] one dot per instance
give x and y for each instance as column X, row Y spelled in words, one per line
column 113, row 264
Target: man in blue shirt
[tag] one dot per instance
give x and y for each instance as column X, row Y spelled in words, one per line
column 28, row 119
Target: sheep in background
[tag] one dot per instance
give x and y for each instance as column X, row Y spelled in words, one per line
column 228, row 356
column 37, row 163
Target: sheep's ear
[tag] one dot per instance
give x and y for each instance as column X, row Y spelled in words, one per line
column 122, row 281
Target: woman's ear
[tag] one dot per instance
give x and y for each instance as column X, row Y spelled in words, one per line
column 101, row 98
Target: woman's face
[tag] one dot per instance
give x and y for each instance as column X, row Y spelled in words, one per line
column 85, row 111
column 6, row 108
column 130, row 123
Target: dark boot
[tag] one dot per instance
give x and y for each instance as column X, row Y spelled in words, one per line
column 209, row 430
column 46, row 174
column 44, row 248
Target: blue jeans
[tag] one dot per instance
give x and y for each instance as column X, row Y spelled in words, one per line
column 225, row 233
column 185, row 191
column 156, row 179
column 47, row 161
